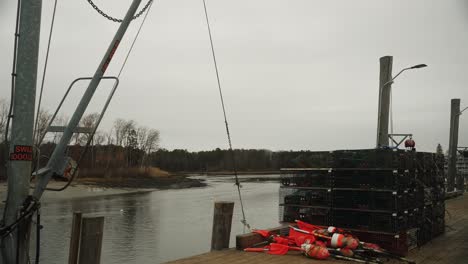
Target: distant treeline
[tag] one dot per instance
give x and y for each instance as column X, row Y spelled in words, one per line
column 180, row 160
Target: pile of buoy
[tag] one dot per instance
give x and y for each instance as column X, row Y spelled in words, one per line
column 319, row 242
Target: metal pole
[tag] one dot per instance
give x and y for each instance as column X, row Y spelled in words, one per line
column 20, row 148
column 453, row 142
column 385, row 87
column 58, row 156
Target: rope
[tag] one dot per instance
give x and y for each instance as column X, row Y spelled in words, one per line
column 36, row 133
column 38, row 235
column 90, row 139
column 243, row 221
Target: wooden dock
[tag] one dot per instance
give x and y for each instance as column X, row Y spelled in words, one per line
column 450, row 248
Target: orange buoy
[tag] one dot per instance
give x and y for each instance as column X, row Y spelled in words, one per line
column 320, row 243
column 337, row 240
column 350, row 242
column 304, row 239
column 315, row 252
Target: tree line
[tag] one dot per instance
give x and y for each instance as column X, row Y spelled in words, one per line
column 128, row 144
column 255, row 160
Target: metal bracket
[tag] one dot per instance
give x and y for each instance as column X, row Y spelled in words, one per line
column 403, row 137
column 51, row 128
column 462, row 110
column 463, row 151
column 41, row 171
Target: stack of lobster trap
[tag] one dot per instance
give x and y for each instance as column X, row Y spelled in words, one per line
column 391, row 197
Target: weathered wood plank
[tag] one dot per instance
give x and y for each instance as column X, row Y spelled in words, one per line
column 253, row 239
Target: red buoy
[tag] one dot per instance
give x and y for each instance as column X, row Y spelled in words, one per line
column 409, row 143
column 315, row 252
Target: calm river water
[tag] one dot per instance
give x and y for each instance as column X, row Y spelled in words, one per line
column 157, row 226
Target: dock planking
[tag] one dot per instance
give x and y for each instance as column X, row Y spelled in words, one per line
column 449, row 248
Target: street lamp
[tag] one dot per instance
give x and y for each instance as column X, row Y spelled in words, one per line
column 418, row 66
column 385, row 98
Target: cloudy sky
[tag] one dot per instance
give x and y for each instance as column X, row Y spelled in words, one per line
column 296, row 74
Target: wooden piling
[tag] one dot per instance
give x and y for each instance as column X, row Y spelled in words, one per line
column 385, row 88
column 91, row 240
column 222, row 221
column 75, row 238
column 453, row 145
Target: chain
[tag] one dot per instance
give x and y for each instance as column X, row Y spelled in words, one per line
column 113, row 19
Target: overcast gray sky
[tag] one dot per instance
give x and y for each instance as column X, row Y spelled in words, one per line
column 296, row 74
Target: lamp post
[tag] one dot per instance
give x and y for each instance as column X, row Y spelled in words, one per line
column 453, row 144
column 386, row 81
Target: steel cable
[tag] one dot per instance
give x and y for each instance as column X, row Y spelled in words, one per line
column 35, row 132
column 233, row 160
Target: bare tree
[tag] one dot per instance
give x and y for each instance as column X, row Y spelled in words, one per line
column 88, row 121
column 108, row 137
column 59, row 120
column 129, row 133
column 3, row 117
column 152, row 141
column 150, row 144
column 118, row 128
column 142, row 134
column 99, row 138
column 43, row 120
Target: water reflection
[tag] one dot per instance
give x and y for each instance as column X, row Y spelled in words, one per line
column 158, row 226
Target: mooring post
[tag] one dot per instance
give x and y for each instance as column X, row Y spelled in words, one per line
column 91, row 240
column 75, row 238
column 385, row 87
column 453, row 144
column 222, row 221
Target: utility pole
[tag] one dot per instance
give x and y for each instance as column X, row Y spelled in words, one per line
column 453, row 144
column 20, row 147
column 385, row 87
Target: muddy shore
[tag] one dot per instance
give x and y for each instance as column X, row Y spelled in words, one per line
column 93, row 187
column 142, row 182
